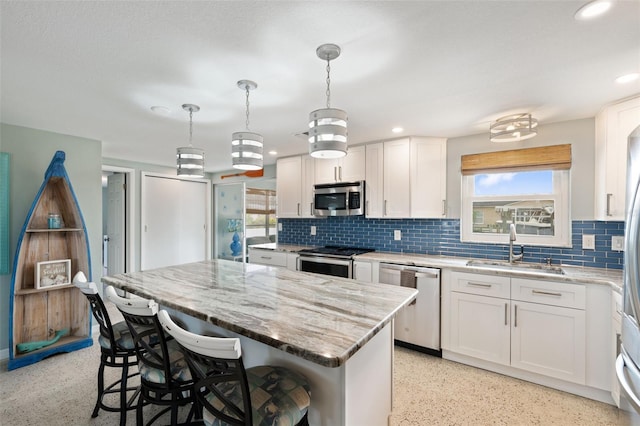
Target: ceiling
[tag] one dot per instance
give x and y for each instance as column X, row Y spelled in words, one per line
column 436, row 68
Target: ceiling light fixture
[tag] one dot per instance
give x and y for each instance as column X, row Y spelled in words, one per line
column 246, row 147
column 397, row 130
column 328, row 126
column 628, row 78
column 593, row 9
column 513, row 128
column 190, row 160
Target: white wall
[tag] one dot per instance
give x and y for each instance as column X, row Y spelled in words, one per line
column 579, row 133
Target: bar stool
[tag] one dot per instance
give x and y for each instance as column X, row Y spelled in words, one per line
column 117, row 351
column 227, row 394
column 164, row 375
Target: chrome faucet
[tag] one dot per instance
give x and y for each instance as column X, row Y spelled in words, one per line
column 512, row 238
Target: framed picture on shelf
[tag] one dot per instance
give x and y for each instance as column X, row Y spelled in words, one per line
column 53, row 273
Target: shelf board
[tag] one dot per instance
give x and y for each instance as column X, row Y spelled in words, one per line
column 54, row 230
column 65, row 340
column 24, row 291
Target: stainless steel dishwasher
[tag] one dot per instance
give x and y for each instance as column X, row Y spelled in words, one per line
column 417, row 325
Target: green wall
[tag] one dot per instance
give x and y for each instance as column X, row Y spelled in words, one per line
column 31, row 152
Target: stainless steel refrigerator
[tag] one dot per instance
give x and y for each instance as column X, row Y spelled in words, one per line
column 628, row 361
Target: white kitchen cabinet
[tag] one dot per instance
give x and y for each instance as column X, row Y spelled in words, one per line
column 428, row 177
column 614, row 123
column 374, row 198
column 362, row 271
column 537, row 326
column 479, row 327
column 350, row 168
column 273, row 258
column 406, row 178
column 294, row 186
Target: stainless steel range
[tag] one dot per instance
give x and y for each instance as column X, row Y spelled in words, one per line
column 330, row 260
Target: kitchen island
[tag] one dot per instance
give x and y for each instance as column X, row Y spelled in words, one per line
column 336, row 331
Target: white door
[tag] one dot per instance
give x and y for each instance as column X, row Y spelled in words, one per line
column 396, row 175
column 174, row 218
column 116, row 193
column 428, row 177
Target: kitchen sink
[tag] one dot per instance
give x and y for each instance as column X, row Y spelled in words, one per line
column 533, row 267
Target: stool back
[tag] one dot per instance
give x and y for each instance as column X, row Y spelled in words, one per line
column 218, row 372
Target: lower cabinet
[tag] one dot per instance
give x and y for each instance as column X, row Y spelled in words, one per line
column 539, row 327
column 273, row 258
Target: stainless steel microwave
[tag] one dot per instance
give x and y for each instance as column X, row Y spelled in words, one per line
column 339, row 199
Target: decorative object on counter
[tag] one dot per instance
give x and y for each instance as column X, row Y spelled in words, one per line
column 246, row 147
column 53, row 273
column 190, row 160
column 513, row 128
column 328, row 126
column 41, row 299
column 234, row 225
column 54, row 221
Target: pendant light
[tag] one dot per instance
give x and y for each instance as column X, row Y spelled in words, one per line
column 513, row 128
column 246, row 147
column 190, row 160
column 328, row 126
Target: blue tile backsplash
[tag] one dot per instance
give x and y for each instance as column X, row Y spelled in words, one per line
column 442, row 237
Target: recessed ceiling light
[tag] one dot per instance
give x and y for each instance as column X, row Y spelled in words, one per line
column 161, row 110
column 593, row 9
column 628, row 78
column 273, row 152
column 397, row 129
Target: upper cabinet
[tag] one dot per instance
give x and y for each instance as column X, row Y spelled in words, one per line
column 350, row 168
column 613, row 126
column 406, row 178
column 294, row 186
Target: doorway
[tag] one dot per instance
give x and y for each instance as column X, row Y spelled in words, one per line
column 118, row 190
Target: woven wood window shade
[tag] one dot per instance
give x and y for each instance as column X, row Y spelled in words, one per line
column 556, row 157
column 260, row 201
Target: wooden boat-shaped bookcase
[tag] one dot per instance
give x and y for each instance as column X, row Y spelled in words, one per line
column 38, row 314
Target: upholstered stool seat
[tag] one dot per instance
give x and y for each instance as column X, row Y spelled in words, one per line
column 228, row 394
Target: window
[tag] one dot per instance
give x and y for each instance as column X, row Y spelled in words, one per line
column 260, row 212
column 534, row 199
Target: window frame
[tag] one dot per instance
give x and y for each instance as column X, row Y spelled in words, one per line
column 561, row 197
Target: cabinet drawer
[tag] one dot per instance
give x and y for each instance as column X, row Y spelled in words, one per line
column 268, row 257
column 548, row 293
column 485, row 285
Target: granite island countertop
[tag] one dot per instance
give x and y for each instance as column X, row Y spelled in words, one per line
column 320, row 318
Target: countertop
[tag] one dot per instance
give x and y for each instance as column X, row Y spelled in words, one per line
column 572, row 274
column 320, row 318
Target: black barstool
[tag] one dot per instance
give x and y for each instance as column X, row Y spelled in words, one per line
column 228, row 394
column 117, row 350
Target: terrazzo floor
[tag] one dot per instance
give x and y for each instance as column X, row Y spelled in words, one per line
column 61, row 390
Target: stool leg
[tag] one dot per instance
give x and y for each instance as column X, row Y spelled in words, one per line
column 123, row 392
column 100, row 386
column 139, row 408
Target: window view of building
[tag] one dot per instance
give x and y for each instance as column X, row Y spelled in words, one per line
column 260, row 213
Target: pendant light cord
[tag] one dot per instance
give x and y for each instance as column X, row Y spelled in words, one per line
column 328, row 84
column 190, row 125
column 247, row 104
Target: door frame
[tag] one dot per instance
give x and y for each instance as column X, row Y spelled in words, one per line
column 130, row 224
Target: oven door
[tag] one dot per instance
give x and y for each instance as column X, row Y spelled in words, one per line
column 326, row 265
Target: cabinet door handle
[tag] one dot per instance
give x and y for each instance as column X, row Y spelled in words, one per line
column 385, row 207
column 340, row 173
column 506, row 308
column 311, row 209
column 335, row 173
column 366, row 207
column 444, row 207
column 609, row 204
column 265, row 257
column 298, row 209
column 515, row 316
column 483, row 285
column 546, row 293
